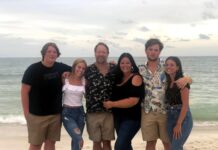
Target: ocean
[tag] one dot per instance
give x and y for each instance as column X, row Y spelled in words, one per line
column 203, row 94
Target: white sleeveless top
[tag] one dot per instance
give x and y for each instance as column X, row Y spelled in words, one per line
column 73, row 94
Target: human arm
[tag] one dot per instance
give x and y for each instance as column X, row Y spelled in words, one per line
column 127, row 102
column 123, row 103
column 65, row 75
column 185, row 104
column 25, row 89
column 182, row 82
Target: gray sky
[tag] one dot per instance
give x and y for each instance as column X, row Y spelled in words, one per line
column 186, row 27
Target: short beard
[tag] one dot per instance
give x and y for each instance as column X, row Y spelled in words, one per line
column 155, row 59
column 101, row 61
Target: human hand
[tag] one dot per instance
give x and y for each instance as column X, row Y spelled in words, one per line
column 65, row 75
column 108, row 104
column 113, row 62
column 181, row 83
column 177, row 131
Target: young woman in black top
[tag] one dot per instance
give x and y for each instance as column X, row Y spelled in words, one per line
column 180, row 121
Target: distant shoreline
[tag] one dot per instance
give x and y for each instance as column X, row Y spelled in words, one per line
column 93, row 56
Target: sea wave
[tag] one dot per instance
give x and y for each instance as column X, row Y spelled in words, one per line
column 19, row 119
column 12, row 119
column 205, row 123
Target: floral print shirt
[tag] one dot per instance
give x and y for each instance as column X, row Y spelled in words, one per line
column 98, row 88
column 155, row 87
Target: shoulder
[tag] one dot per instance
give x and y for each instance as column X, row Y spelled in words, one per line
column 187, row 87
column 90, row 70
column 142, row 69
column 62, row 66
column 33, row 66
column 137, row 80
column 37, row 64
column 91, row 66
column 141, row 66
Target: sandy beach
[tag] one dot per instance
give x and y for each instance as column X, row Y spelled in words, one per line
column 14, row 136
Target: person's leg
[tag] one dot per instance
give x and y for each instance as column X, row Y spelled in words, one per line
column 53, row 131
column 81, row 119
column 68, row 117
column 97, row 146
column 149, row 128
column 35, row 147
column 128, row 129
column 170, row 124
column 81, row 122
column 167, row 145
column 150, row 145
column 49, row 145
column 107, row 130
column 37, row 127
column 163, row 130
column 171, row 121
column 93, row 122
column 107, row 145
column 177, row 144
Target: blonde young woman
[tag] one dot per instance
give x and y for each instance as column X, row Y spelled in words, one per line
column 73, row 115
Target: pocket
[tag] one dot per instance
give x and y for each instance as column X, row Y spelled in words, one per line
column 64, row 114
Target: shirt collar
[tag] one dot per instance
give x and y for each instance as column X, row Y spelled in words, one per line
column 159, row 67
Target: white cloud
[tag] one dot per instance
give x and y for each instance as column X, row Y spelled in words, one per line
column 77, row 25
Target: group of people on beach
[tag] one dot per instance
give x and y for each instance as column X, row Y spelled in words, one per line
column 120, row 97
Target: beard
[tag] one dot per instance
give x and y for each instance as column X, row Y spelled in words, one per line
column 153, row 59
column 101, row 60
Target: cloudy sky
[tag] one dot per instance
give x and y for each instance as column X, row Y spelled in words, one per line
column 186, row 27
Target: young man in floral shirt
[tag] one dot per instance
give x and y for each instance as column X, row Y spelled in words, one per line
column 154, row 118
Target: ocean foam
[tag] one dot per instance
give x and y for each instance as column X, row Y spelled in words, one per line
column 13, row 119
column 205, row 123
column 19, row 119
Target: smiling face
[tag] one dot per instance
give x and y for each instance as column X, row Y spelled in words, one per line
column 153, row 52
column 51, row 55
column 80, row 69
column 170, row 67
column 125, row 65
column 101, row 54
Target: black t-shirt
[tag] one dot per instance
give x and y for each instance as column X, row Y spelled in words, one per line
column 45, row 96
column 125, row 91
column 173, row 95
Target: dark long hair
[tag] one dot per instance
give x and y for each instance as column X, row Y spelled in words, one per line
column 179, row 73
column 117, row 71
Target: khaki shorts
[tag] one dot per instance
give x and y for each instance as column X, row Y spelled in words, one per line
column 100, row 126
column 154, row 126
column 41, row 128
